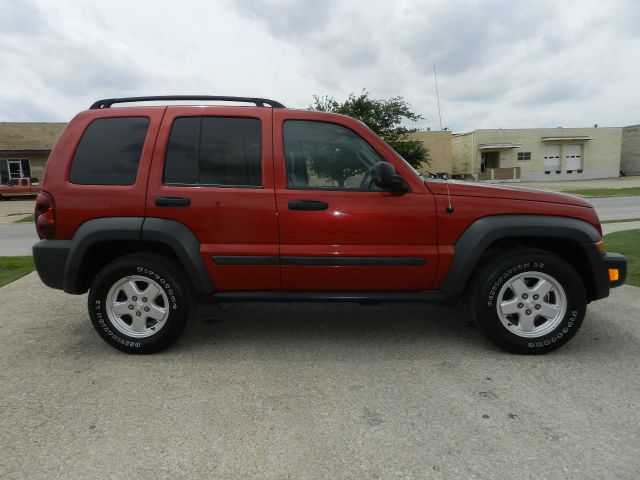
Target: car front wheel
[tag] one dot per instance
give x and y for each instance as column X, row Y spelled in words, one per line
column 528, row 301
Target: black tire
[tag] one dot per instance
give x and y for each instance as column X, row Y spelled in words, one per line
column 170, row 311
column 493, row 295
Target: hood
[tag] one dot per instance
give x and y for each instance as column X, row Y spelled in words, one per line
column 465, row 189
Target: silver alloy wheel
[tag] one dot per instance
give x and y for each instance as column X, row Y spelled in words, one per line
column 137, row 306
column 531, row 304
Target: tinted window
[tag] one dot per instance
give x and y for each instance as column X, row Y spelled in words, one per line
column 109, row 152
column 327, row 156
column 26, row 167
column 214, row 151
column 4, row 171
column 181, row 165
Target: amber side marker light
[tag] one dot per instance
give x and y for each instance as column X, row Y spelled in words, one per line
column 600, row 246
column 614, row 275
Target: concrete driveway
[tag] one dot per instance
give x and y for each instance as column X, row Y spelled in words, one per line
column 297, row 391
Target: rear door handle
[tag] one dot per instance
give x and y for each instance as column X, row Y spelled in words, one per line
column 308, row 205
column 173, row 201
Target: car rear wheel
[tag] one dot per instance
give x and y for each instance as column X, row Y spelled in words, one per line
column 140, row 303
column 528, row 301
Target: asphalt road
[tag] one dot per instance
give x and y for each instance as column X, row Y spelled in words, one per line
column 17, row 239
column 301, row 391
column 614, row 208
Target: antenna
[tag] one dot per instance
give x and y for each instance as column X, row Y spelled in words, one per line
column 449, row 208
column 435, row 79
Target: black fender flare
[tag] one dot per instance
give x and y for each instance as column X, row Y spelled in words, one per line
column 179, row 238
column 175, row 235
column 475, row 240
column 89, row 234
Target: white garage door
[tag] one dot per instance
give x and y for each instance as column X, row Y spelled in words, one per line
column 551, row 157
column 573, row 157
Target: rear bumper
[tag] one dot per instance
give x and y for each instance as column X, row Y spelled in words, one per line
column 617, row 262
column 50, row 257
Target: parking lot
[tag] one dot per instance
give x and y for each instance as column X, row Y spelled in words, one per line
column 288, row 391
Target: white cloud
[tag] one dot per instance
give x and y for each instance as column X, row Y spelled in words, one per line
column 500, row 63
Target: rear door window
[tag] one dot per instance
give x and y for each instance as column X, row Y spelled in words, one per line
column 214, row 151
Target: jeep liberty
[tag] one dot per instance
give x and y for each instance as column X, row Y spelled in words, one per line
column 153, row 208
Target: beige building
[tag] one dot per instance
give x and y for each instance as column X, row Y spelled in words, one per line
column 438, row 143
column 25, row 147
column 543, row 154
column 630, row 155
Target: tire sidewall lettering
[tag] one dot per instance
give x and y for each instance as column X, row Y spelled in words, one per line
column 560, row 334
column 511, row 271
column 105, row 327
column 165, row 285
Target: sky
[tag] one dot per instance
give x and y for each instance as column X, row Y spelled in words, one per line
column 499, row 63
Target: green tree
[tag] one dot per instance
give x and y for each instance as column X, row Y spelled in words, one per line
column 386, row 118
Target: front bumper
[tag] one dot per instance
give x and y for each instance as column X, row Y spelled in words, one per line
column 615, row 261
column 595, row 271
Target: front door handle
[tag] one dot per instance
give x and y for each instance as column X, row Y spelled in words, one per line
column 308, row 205
column 173, row 202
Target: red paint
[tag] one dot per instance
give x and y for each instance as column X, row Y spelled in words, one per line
column 257, row 221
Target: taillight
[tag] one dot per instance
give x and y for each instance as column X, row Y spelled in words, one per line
column 45, row 216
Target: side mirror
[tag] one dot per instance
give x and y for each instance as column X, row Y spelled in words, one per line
column 386, row 177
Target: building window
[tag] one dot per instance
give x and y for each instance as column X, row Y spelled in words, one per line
column 14, row 169
column 524, row 156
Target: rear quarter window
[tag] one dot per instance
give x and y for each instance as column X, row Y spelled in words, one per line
column 109, row 152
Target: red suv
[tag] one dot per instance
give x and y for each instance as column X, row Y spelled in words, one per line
column 151, row 208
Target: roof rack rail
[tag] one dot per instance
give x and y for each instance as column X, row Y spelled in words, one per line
column 259, row 102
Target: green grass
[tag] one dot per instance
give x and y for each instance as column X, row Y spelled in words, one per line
column 622, row 220
column 605, row 192
column 27, row 219
column 12, row 268
column 628, row 244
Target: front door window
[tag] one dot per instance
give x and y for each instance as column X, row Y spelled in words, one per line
column 326, row 156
